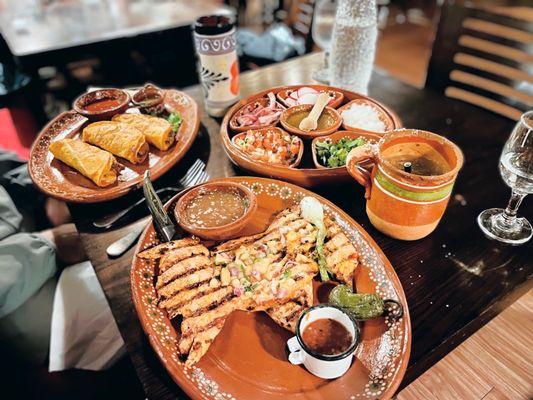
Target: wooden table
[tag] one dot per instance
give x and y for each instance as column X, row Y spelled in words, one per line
column 31, row 29
column 455, row 280
column 109, row 31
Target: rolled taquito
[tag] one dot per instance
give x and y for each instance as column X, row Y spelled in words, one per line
column 121, row 139
column 96, row 164
column 157, row 131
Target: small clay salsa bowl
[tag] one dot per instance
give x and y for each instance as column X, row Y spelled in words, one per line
column 235, row 141
column 149, row 99
column 102, row 104
column 216, row 211
column 334, row 138
column 263, row 102
column 382, row 114
column 328, row 122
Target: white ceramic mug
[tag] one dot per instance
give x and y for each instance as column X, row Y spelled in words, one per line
column 323, row 365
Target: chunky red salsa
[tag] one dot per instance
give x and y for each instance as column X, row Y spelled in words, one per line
column 102, row 105
column 327, row 336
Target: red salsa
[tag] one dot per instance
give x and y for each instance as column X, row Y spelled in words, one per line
column 102, row 105
column 327, row 336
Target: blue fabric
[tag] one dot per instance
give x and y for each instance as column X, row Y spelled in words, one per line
column 27, row 261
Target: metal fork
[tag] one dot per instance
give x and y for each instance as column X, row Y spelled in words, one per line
column 119, row 247
column 191, row 174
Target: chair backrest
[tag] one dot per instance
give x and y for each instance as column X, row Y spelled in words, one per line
column 484, row 57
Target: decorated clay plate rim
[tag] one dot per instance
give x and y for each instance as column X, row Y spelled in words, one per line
column 199, row 384
column 38, row 161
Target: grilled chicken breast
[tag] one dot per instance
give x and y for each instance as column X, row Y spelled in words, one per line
column 271, row 271
column 341, row 255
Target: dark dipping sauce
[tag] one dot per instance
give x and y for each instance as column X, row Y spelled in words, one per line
column 327, row 336
column 103, row 105
column 215, row 208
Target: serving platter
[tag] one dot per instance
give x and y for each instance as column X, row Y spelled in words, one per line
column 248, row 358
column 306, row 174
column 58, row 180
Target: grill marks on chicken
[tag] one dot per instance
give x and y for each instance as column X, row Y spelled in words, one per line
column 271, row 271
column 341, row 255
column 156, row 252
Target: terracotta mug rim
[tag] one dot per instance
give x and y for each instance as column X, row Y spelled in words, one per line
column 437, row 179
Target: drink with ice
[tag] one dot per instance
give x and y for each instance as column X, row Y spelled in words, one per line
column 353, row 45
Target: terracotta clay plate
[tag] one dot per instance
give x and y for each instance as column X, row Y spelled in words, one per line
column 248, row 358
column 63, row 182
column 306, row 174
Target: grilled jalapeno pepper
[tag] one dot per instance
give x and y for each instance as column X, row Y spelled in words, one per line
column 363, row 305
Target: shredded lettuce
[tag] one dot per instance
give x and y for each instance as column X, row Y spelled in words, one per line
column 313, row 212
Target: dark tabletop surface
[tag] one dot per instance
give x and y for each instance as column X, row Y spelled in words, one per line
column 455, row 280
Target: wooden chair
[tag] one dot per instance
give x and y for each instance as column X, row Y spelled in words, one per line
column 484, row 57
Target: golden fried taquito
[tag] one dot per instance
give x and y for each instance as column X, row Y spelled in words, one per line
column 157, row 131
column 121, row 139
column 96, row 164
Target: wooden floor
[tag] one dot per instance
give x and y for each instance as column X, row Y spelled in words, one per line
column 404, row 51
column 495, row 363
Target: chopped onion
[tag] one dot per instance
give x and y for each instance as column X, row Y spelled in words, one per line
column 309, row 98
column 289, row 264
column 274, row 287
column 363, row 116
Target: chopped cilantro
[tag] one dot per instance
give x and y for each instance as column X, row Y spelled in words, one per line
column 251, row 288
column 286, row 274
column 334, row 154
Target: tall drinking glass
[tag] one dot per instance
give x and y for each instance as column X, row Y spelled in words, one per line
column 516, row 169
column 322, row 31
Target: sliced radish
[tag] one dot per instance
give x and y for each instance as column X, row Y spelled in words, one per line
column 306, row 90
column 309, row 98
column 293, row 94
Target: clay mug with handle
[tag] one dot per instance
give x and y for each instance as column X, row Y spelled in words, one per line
column 410, row 182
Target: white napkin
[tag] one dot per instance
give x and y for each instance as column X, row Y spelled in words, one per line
column 83, row 334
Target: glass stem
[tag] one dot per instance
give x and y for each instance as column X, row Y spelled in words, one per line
column 509, row 214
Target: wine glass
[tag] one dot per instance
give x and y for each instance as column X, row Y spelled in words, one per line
column 322, row 31
column 516, row 169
